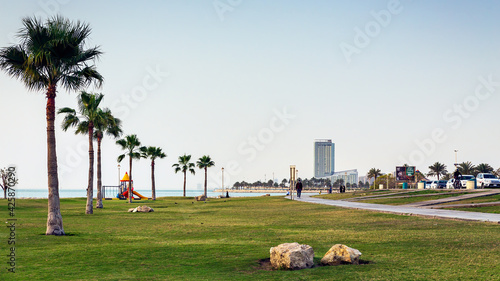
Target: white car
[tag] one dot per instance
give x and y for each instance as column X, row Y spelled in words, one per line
column 487, row 180
column 465, row 179
column 439, row 184
column 428, row 184
column 450, row 184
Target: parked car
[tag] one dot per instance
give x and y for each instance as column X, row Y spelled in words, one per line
column 465, row 179
column 428, row 184
column 450, row 183
column 438, row 184
column 487, row 180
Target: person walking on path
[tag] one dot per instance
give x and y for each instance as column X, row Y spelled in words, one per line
column 298, row 187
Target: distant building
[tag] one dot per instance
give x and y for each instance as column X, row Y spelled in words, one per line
column 365, row 179
column 348, row 176
column 324, row 158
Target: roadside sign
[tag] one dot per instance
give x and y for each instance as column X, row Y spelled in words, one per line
column 405, row 173
column 410, row 171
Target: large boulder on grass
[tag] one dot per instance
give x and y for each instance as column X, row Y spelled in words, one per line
column 144, row 209
column 141, row 209
column 292, row 256
column 201, row 198
column 339, row 254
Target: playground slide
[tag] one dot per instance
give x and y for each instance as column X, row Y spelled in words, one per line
column 125, row 194
column 138, row 194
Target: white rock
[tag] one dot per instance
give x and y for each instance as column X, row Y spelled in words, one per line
column 292, row 256
column 339, row 253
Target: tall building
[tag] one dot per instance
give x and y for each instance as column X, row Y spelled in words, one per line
column 324, row 158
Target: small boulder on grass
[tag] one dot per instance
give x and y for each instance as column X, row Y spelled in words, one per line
column 339, row 254
column 292, row 256
column 142, row 209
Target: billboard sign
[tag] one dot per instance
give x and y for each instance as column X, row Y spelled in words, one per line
column 405, row 173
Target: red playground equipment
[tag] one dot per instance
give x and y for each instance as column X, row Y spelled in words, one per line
column 123, row 191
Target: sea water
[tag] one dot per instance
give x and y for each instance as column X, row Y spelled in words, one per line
column 71, row 193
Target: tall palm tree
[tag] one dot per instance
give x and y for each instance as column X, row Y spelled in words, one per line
column 374, row 173
column 204, row 163
column 466, row 168
column 131, row 144
column 483, row 168
column 152, row 153
column 184, row 165
column 91, row 113
column 437, row 169
column 49, row 54
column 112, row 127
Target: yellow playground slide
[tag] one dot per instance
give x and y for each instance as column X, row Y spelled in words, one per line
column 138, row 194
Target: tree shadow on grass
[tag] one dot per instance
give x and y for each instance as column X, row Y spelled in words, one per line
column 265, row 264
column 66, row 234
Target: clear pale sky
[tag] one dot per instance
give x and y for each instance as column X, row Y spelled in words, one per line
column 253, row 83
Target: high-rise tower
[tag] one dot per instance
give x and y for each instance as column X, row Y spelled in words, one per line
column 324, row 158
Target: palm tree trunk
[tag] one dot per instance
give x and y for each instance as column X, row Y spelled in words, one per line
column 54, row 218
column 205, row 182
column 99, row 180
column 153, row 190
column 90, row 188
column 184, row 184
column 130, row 179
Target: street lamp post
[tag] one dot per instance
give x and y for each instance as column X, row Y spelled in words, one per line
column 118, row 174
column 222, row 180
column 456, row 156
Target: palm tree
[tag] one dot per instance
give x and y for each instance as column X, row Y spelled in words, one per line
column 88, row 108
column 131, row 144
column 374, row 173
column 204, row 163
column 497, row 172
column 152, row 153
column 184, row 165
column 437, row 169
column 466, row 168
column 483, row 168
column 47, row 55
column 112, row 127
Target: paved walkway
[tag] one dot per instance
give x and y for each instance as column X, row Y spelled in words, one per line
column 403, row 210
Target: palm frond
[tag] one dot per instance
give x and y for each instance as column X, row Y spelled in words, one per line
column 120, row 158
column 51, row 52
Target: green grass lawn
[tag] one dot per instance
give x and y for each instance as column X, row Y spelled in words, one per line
column 483, row 199
column 362, row 193
column 484, row 209
column 224, row 239
column 407, row 200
